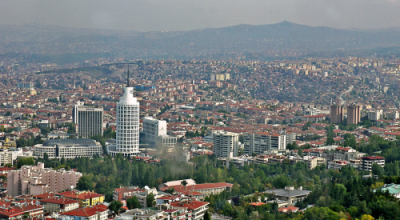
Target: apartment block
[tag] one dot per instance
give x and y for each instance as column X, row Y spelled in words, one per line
column 353, row 114
column 34, row 180
column 258, row 143
column 226, row 144
column 367, row 162
column 336, row 114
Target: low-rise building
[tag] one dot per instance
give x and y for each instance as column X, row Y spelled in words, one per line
column 98, row 212
column 196, row 207
column 290, row 194
column 68, row 148
column 59, row 205
column 85, row 198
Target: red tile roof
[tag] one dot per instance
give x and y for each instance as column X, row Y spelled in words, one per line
column 80, row 195
column 86, row 212
column 61, row 201
column 192, row 205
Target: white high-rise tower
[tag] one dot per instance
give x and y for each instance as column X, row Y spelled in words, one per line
column 127, row 140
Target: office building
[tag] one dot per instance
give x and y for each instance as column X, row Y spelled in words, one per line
column 34, row 180
column 258, row 143
column 353, row 114
column 155, row 132
column 226, row 144
column 68, row 148
column 336, row 114
column 88, row 121
column 127, row 141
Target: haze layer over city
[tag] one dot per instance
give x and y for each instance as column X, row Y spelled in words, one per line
column 199, row 109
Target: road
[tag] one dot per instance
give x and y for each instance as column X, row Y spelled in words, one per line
column 341, row 98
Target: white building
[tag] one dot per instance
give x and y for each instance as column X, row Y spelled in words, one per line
column 258, row 143
column 375, row 115
column 155, row 132
column 127, row 141
column 226, row 144
column 68, row 148
column 392, row 115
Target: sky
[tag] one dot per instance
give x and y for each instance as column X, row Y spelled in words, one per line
column 174, row 15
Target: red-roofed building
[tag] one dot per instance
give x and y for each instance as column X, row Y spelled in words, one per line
column 198, row 208
column 201, row 190
column 85, row 198
column 367, row 162
column 256, row 204
column 59, row 204
column 98, row 212
column 288, row 209
column 124, row 193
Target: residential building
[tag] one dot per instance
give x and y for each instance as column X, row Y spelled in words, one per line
column 288, row 209
column 144, row 214
column 375, row 115
column 336, row 114
column 58, row 205
column 68, row 148
column 19, row 210
column 337, row 164
column 367, row 162
column 353, row 114
column 98, row 212
column 34, row 180
column 196, row 207
column 313, row 162
column 260, row 142
column 226, row 144
column 127, row 141
column 88, row 120
column 124, row 193
column 86, row 198
column 393, row 115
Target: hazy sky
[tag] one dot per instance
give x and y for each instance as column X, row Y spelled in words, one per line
column 168, row 15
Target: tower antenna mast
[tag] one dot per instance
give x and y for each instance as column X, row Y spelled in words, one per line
column 127, row 79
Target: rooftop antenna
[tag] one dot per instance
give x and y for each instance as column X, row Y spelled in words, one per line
column 127, row 79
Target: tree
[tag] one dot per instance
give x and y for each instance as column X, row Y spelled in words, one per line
column 115, row 206
column 63, row 162
column 25, row 161
column 45, row 156
column 377, row 170
column 184, row 183
column 330, row 141
column 207, row 216
column 85, row 183
column 367, row 217
column 133, row 203
column 150, row 201
column 227, row 209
